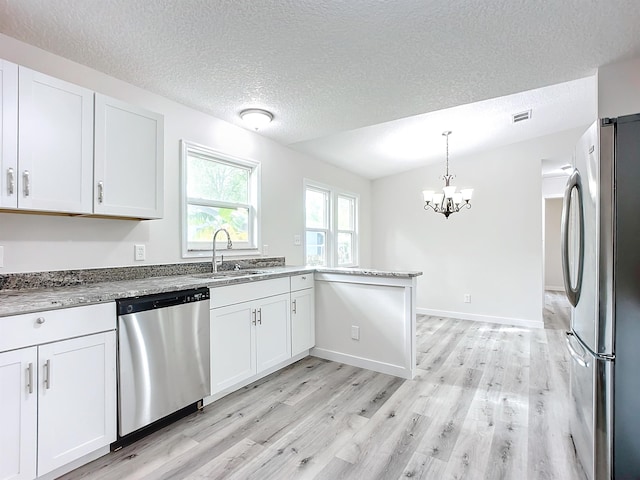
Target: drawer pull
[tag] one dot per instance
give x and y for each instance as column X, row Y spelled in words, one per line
column 304, row 278
column 30, row 377
column 40, row 320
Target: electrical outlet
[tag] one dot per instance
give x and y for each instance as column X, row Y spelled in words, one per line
column 297, row 240
column 140, row 253
column 1, row 257
column 265, row 249
column 355, row 332
column 467, row 298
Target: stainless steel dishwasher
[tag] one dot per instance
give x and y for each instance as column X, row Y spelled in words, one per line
column 163, row 356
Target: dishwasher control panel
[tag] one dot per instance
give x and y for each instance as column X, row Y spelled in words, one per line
column 161, row 300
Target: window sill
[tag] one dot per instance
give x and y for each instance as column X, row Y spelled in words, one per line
column 235, row 253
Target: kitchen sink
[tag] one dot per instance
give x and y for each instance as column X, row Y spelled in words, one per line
column 227, row 274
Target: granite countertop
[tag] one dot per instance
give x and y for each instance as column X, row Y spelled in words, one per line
column 30, row 300
column 369, row 272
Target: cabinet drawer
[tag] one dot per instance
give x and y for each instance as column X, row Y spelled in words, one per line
column 299, row 282
column 231, row 294
column 19, row 331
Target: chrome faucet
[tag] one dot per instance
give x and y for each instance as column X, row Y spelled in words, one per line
column 214, row 265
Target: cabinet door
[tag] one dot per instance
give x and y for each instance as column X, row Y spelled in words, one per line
column 18, row 414
column 77, row 398
column 55, row 144
column 273, row 332
column 303, row 325
column 232, row 341
column 8, row 135
column 129, row 171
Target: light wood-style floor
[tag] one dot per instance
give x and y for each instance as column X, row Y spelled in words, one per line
column 490, row 402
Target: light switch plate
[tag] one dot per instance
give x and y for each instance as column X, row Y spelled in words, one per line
column 355, row 332
column 1, row 257
column 140, row 253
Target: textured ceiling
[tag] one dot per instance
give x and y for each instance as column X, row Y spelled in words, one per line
column 325, row 67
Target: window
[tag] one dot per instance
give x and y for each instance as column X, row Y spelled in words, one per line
column 330, row 226
column 219, row 191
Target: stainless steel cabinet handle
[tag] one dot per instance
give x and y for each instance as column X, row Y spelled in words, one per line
column 26, row 188
column 11, row 182
column 253, row 314
column 47, row 374
column 100, row 192
column 30, row 377
column 260, row 316
column 294, row 306
column 40, row 320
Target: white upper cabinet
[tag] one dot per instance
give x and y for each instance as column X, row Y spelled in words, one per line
column 129, row 160
column 8, row 134
column 55, row 144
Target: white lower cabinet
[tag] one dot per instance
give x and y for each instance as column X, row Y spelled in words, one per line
column 76, row 399
column 232, row 345
column 303, row 325
column 251, row 336
column 57, row 399
column 18, row 414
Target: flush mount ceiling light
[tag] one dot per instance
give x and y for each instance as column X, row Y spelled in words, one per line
column 449, row 201
column 256, row 118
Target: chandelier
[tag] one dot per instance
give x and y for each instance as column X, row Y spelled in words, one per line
column 449, row 201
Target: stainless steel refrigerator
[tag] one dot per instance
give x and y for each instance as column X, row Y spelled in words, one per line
column 601, row 265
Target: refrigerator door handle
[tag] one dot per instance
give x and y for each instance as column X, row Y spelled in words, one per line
column 580, row 359
column 573, row 294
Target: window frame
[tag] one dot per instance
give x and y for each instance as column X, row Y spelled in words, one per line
column 333, row 194
column 252, row 247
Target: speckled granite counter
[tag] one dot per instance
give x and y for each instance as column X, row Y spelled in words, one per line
column 27, row 300
column 369, row 272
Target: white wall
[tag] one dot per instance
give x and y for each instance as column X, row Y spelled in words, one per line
column 492, row 251
column 554, row 186
column 41, row 242
column 552, row 260
column 619, row 89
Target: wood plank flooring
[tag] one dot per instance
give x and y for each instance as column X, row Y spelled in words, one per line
column 489, row 402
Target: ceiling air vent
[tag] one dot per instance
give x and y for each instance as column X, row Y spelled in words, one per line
column 521, row 117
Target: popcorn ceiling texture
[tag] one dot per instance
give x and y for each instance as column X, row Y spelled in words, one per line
column 323, row 66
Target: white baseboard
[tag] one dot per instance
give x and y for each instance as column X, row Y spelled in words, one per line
column 518, row 322
column 361, row 362
column 554, row 288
